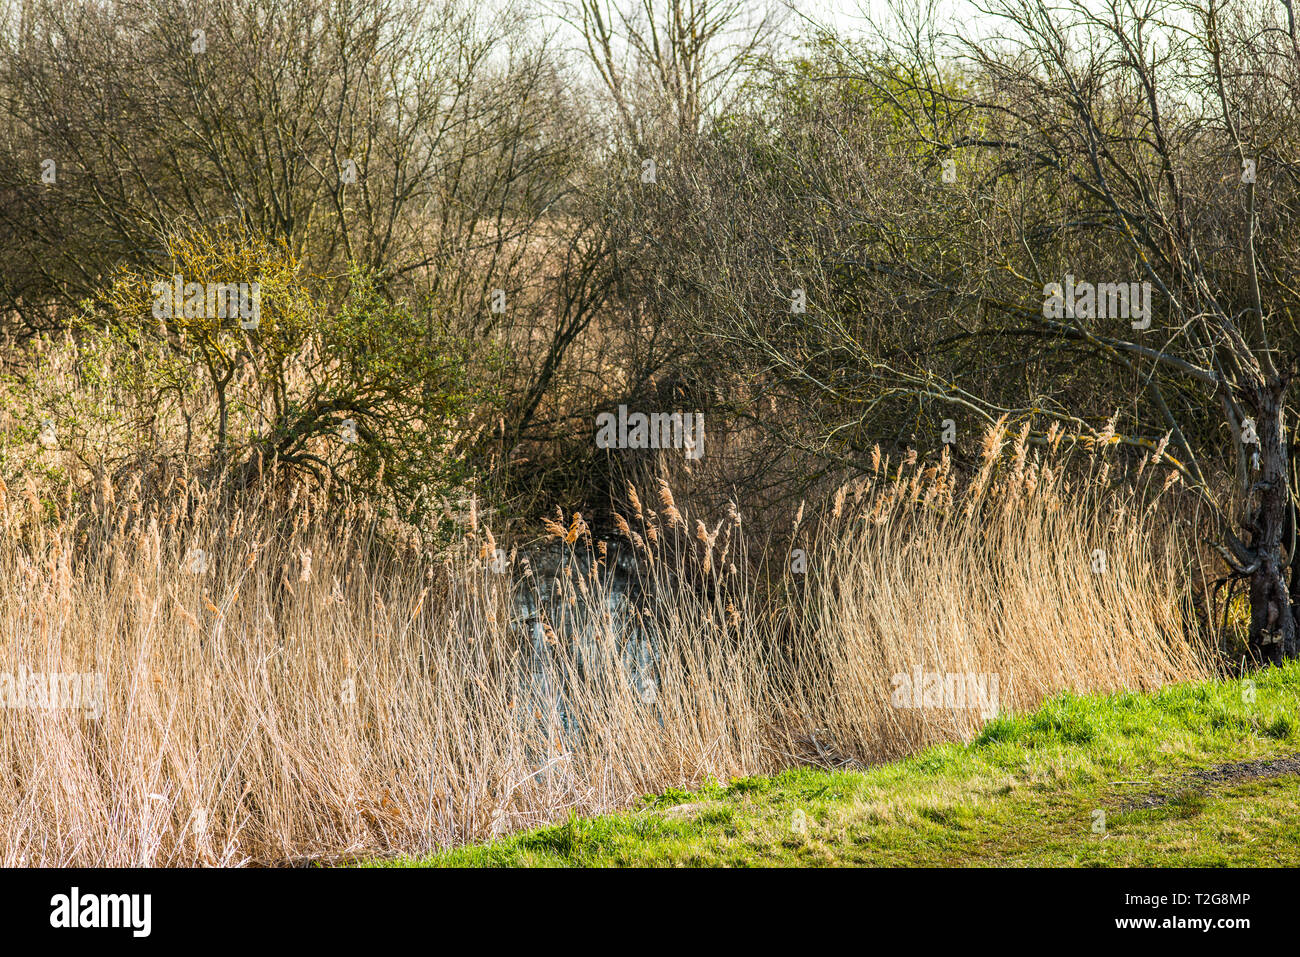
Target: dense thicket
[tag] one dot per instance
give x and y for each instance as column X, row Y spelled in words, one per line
column 477, row 232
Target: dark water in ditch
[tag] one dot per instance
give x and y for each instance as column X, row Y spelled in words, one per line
column 577, row 656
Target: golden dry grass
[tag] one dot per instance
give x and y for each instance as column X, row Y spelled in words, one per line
column 311, row 687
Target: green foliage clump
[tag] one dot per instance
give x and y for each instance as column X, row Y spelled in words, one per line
column 334, row 383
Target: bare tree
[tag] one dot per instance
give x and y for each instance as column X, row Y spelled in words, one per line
column 674, row 60
column 971, row 222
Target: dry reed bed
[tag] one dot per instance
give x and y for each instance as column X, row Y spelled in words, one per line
column 307, row 688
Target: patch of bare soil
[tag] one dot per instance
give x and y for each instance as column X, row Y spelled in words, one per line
column 1216, row 776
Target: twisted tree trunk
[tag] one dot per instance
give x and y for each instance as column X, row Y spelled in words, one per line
column 1273, row 630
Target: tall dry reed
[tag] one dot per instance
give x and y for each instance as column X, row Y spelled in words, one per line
column 288, row 680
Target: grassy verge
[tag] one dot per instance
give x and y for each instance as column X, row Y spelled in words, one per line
column 1083, row 780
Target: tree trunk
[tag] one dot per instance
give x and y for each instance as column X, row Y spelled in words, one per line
column 1268, row 502
column 223, row 423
